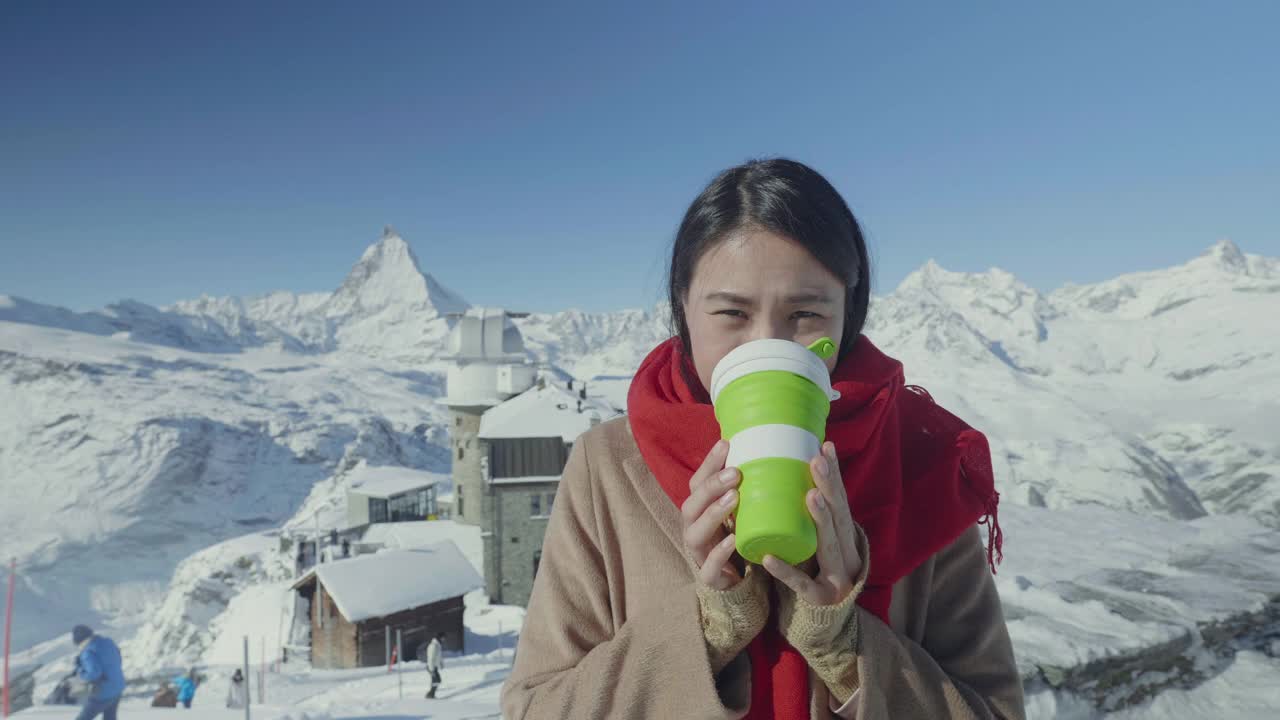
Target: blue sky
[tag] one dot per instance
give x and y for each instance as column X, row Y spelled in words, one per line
column 540, row 155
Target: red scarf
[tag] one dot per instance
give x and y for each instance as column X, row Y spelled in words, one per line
column 917, row 477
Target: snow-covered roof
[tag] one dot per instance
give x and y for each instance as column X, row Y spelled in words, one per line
column 421, row 533
column 548, row 411
column 388, row 480
column 612, row 389
column 391, row 581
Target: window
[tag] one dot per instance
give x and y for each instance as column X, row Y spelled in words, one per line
column 457, row 421
column 377, row 510
column 410, row 506
column 458, row 496
column 459, row 451
column 540, row 504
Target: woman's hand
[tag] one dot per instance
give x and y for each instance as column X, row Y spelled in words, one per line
column 713, row 495
column 839, row 562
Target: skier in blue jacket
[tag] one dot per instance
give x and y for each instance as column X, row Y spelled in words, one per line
column 186, row 685
column 99, row 665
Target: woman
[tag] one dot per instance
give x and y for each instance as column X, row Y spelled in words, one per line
column 642, row 609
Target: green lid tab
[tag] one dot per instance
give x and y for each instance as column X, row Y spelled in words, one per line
column 823, row 347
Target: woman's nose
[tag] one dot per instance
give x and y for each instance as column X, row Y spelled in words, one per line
column 766, row 328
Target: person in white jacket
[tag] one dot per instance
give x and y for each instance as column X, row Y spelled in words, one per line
column 435, row 661
column 237, row 694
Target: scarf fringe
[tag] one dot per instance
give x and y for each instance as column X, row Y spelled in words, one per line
column 990, row 502
column 995, row 536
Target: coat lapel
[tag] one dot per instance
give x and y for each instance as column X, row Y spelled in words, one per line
column 664, row 512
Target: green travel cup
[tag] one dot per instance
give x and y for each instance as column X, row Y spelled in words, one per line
column 771, row 399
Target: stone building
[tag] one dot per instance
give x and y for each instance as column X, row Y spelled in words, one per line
column 511, row 435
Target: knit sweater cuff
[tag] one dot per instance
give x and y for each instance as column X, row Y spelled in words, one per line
column 827, row 637
column 732, row 618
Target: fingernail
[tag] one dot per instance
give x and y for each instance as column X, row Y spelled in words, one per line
column 819, row 500
column 728, row 540
column 721, row 446
column 728, row 498
column 727, row 475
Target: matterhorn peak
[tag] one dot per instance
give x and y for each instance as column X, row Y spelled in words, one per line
column 389, row 274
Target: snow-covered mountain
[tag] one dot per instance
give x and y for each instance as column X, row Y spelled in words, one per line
column 386, row 307
column 280, row 319
column 127, row 318
column 119, row 459
column 599, row 345
column 1076, row 391
column 135, row 437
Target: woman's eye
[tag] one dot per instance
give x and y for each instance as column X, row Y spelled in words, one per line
column 730, row 313
column 805, row 314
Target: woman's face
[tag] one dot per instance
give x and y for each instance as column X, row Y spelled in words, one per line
column 756, row 284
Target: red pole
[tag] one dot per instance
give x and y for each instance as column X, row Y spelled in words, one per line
column 8, row 629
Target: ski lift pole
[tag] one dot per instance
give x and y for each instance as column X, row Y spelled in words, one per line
column 248, row 695
column 262, row 674
column 399, row 659
column 8, row 629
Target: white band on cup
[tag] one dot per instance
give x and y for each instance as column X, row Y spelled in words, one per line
column 770, row 354
column 770, row 441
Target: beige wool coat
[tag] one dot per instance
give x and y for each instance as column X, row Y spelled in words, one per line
column 613, row 627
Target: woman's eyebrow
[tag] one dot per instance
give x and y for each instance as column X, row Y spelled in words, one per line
column 799, row 298
column 809, row 296
column 729, row 297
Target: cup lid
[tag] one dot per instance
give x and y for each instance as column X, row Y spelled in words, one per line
column 771, row 354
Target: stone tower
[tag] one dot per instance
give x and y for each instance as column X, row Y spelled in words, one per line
column 487, row 366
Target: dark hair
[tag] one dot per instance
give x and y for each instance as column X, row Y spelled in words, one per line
column 790, row 199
